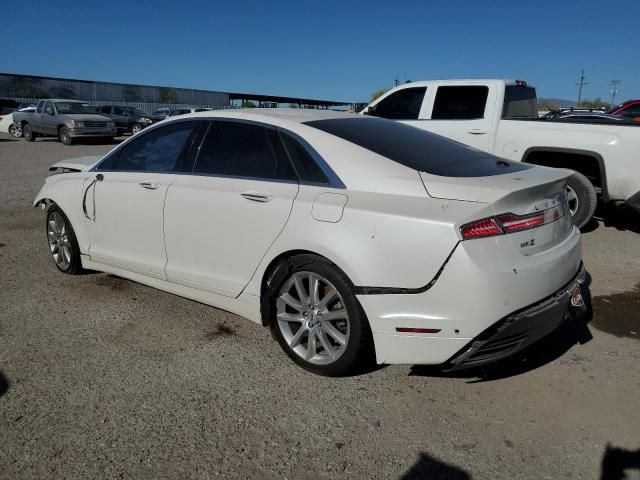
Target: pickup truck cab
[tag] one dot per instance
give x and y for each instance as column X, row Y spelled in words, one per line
column 64, row 119
column 501, row 117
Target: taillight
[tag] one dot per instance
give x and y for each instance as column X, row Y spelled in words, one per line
column 510, row 222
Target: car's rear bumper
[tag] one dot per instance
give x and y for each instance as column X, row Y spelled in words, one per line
column 93, row 132
column 521, row 329
column 475, row 290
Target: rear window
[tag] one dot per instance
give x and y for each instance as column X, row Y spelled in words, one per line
column 460, row 102
column 416, row 148
column 519, row 102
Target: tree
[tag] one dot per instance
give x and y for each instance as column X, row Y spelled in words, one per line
column 595, row 103
column 378, row 93
column 168, row 95
column 545, row 104
column 248, row 104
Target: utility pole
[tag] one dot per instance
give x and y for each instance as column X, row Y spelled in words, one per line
column 614, row 91
column 581, row 84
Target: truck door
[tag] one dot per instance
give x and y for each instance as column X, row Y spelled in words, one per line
column 48, row 122
column 463, row 112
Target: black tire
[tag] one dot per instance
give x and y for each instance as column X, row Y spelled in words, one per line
column 586, row 199
column 136, row 128
column 28, row 134
column 64, row 136
column 74, row 266
column 14, row 131
column 359, row 351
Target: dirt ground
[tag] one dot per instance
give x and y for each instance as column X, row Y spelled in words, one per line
column 102, row 378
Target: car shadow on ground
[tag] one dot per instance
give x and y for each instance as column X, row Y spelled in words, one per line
column 618, row 462
column 428, row 467
column 571, row 332
column 9, row 140
column 86, row 141
column 621, row 218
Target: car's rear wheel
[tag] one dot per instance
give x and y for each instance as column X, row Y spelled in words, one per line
column 318, row 321
column 582, row 199
column 28, row 134
column 64, row 135
column 136, row 128
column 15, row 131
column 63, row 244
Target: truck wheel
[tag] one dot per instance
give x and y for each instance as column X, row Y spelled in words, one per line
column 15, row 131
column 582, row 199
column 28, row 134
column 64, row 136
column 136, row 128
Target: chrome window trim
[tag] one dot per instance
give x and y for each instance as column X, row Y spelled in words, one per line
column 334, row 181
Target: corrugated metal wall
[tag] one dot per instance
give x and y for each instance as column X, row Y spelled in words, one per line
column 20, row 86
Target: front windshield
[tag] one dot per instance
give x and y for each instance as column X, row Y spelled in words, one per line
column 135, row 111
column 66, row 108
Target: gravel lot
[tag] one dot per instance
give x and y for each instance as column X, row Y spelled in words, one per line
column 103, row 378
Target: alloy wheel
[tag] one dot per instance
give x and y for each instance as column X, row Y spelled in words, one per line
column 312, row 318
column 59, row 242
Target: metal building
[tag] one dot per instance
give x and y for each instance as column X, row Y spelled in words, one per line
column 31, row 87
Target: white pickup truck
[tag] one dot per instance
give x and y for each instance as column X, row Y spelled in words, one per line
column 501, row 117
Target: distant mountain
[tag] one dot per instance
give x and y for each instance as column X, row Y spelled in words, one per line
column 558, row 102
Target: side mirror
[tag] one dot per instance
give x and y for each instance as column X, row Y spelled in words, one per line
column 369, row 110
column 51, row 112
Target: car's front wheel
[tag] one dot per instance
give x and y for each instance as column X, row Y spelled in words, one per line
column 63, row 244
column 136, row 128
column 15, row 131
column 318, row 321
column 28, row 134
column 64, row 135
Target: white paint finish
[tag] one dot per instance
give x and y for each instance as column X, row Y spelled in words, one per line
column 128, row 226
column 329, row 207
column 80, row 163
column 618, row 145
column 215, row 238
column 415, row 349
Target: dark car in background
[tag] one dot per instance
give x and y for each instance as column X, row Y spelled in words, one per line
column 588, row 116
column 128, row 119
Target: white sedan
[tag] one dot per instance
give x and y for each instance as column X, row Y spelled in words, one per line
column 7, row 125
column 350, row 237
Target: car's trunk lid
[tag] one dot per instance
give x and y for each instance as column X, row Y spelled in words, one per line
column 521, row 193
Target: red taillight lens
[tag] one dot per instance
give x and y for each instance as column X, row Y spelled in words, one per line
column 481, row 228
column 510, row 222
column 514, row 223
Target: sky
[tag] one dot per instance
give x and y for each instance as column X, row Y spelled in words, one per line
column 332, row 50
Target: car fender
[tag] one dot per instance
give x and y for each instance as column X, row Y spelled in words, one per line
column 65, row 190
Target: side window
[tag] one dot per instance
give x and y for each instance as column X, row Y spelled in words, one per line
column 118, row 111
column 241, row 150
column 40, row 107
column 48, row 108
column 404, row 104
column 632, row 112
column 460, row 103
column 307, row 168
column 156, row 151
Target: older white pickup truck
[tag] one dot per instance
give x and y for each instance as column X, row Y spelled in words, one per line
column 501, row 117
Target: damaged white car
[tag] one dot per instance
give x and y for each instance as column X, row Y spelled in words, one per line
column 350, row 237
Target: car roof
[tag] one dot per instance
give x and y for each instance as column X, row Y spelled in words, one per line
column 274, row 115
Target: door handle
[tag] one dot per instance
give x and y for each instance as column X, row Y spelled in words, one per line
column 257, row 197
column 149, row 185
column 477, row 131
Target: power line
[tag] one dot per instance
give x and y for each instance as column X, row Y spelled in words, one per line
column 614, row 90
column 581, row 84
